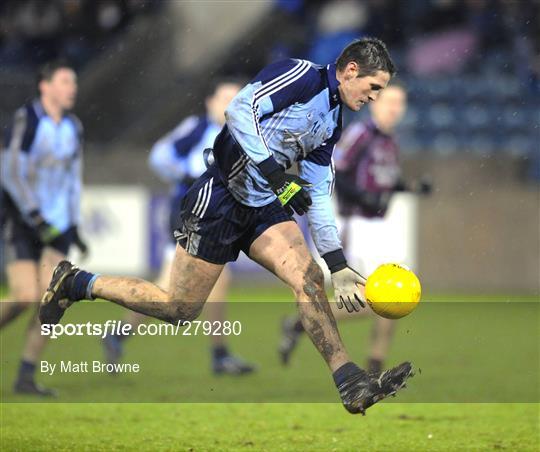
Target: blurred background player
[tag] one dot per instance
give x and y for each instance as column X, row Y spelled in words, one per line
column 41, row 187
column 367, row 174
column 178, row 159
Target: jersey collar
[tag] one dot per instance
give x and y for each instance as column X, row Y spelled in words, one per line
column 333, row 84
column 38, row 108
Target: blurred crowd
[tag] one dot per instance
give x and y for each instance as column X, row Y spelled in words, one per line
column 434, row 36
column 472, row 67
column 35, row 31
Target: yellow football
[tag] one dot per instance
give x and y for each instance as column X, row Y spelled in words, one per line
column 393, row 291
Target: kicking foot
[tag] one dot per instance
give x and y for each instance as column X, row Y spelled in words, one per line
column 289, row 339
column 55, row 300
column 30, row 387
column 360, row 391
column 392, row 380
column 231, row 365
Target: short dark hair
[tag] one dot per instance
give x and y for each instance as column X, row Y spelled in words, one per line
column 47, row 71
column 370, row 54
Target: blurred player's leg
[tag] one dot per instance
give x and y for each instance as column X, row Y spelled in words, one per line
column 22, row 279
column 282, row 250
column 24, row 290
column 215, row 310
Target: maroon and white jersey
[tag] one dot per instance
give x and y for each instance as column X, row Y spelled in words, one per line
column 367, row 161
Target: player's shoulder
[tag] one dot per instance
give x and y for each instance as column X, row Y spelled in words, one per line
column 292, row 79
column 23, row 126
column 287, row 69
column 77, row 123
column 188, row 126
column 355, row 131
column 356, row 128
column 26, row 113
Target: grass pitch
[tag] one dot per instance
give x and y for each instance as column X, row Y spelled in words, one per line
column 469, row 353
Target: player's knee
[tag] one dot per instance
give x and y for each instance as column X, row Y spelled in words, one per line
column 311, row 282
column 182, row 311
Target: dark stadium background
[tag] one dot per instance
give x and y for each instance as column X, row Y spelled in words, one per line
column 472, row 70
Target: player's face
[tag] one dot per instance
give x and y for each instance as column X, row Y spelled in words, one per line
column 220, row 100
column 356, row 91
column 61, row 89
column 390, row 107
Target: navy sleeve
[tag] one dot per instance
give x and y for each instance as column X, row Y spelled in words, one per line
column 22, row 129
column 18, row 167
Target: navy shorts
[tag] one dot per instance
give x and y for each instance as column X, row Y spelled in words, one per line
column 216, row 227
column 23, row 243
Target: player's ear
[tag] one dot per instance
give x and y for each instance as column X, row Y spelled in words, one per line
column 352, row 70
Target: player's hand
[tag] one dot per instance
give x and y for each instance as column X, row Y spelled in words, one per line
column 291, row 191
column 45, row 231
column 80, row 243
column 425, row 185
column 374, row 203
column 348, row 289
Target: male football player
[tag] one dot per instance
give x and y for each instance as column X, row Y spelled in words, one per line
column 368, row 172
column 290, row 112
column 41, row 183
column 178, row 159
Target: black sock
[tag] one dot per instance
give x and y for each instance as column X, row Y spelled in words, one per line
column 298, row 327
column 219, row 352
column 26, row 370
column 374, row 366
column 345, row 372
column 80, row 285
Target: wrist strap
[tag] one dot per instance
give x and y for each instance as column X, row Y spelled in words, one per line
column 335, row 260
column 269, row 166
column 34, row 218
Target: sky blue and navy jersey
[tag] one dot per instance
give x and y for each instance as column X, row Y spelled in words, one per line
column 177, row 158
column 292, row 111
column 41, row 164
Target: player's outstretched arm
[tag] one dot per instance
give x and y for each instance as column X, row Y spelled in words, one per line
column 347, row 283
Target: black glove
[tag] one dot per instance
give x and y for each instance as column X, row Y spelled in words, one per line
column 422, row 186
column 372, row 203
column 44, row 231
column 80, row 243
column 425, row 185
column 289, row 189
